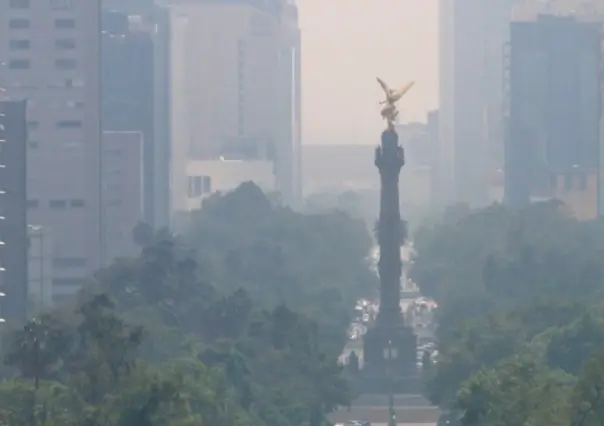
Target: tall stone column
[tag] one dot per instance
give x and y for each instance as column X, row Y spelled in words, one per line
column 390, row 346
column 389, row 159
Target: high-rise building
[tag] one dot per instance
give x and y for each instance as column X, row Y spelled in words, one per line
column 473, row 34
column 552, row 147
column 128, row 89
column 123, row 177
column 13, row 211
column 235, row 93
column 50, row 55
column 162, row 144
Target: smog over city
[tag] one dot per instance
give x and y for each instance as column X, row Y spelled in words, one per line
column 301, row 212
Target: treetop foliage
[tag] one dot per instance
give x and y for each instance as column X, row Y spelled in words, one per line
column 521, row 324
column 239, row 321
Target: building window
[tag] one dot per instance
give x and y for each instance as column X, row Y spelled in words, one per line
column 19, row 64
column 71, row 145
column 568, row 182
column 113, row 153
column 58, row 204
column 113, row 187
column 74, row 104
column 69, row 124
column 19, row 44
column 69, row 262
column 197, row 186
column 66, row 64
column 194, row 186
column 19, row 4
column 33, row 144
column 61, row 4
column 207, row 184
column 74, row 83
column 67, row 282
column 18, row 24
column 65, row 24
column 32, row 125
column 65, row 44
column 78, row 203
column 582, row 181
column 33, row 204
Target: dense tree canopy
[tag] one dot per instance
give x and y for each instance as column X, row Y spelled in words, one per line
column 224, row 325
column 521, row 324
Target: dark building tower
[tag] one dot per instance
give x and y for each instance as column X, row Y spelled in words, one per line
column 390, row 346
column 128, row 92
column 554, row 92
column 13, row 212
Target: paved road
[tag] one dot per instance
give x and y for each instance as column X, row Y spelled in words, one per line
column 414, row 415
column 405, row 424
column 410, row 409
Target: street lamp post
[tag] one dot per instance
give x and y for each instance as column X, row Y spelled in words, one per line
column 391, row 412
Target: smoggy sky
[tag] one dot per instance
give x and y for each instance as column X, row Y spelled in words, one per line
column 346, row 44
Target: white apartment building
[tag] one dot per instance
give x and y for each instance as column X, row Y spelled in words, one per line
column 235, row 93
column 50, row 55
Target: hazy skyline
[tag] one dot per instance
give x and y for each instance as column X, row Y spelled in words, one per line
column 346, row 44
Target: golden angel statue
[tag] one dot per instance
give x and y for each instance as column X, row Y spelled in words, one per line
column 389, row 111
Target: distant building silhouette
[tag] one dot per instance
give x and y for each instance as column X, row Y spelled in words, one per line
column 235, row 96
column 472, row 36
column 553, row 139
column 123, row 195
column 128, row 92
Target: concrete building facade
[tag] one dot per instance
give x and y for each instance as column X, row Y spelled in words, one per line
column 128, row 89
column 13, row 211
column 123, row 191
column 473, row 35
column 235, row 90
column 49, row 55
column 555, row 109
column 40, row 263
column 162, row 133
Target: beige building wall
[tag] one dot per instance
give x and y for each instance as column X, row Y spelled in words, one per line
column 123, row 191
column 227, row 89
column 49, row 54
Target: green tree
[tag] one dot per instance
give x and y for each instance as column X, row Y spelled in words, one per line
column 518, row 391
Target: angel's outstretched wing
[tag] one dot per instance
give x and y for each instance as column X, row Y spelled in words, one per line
column 384, row 86
column 404, row 89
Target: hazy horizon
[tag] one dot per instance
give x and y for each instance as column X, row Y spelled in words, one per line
column 396, row 40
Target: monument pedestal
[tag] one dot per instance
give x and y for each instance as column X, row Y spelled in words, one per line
column 390, row 360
